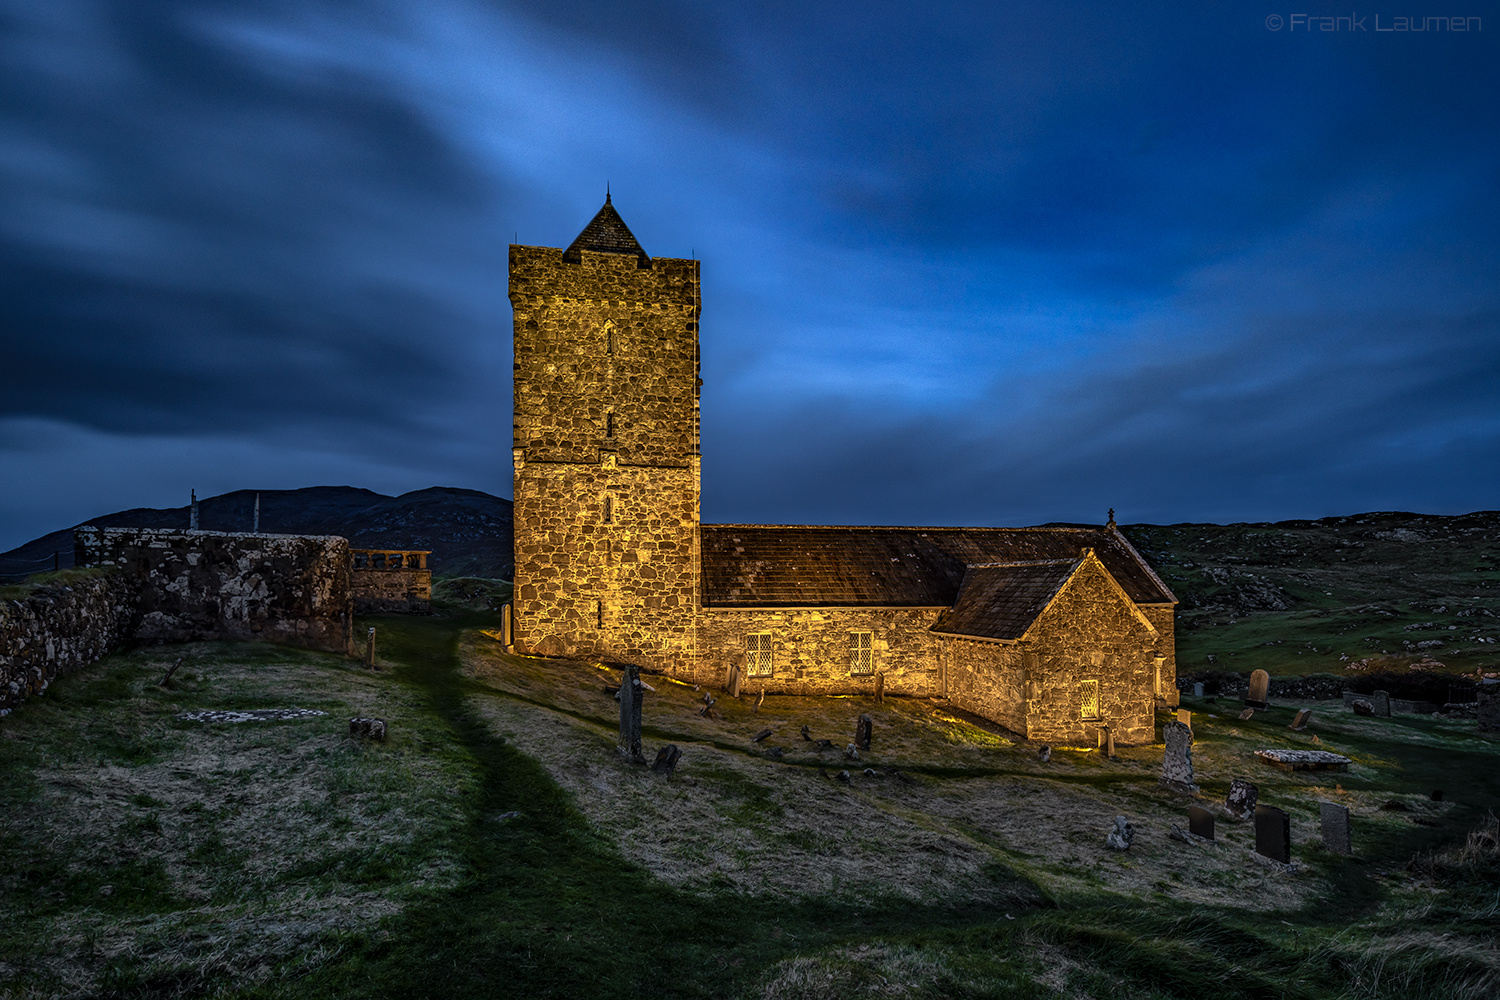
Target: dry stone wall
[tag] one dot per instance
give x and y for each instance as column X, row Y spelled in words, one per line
column 404, row 590
column 60, row 627
column 291, row 589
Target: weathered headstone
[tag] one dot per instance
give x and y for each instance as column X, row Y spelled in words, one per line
column 1177, row 760
column 806, row 734
column 1335, row 827
column 666, row 760
column 1488, row 712
column 1185, row 716
column 1201, row 822
column 734, row 680
column 863, row 731
column 1360, row 706
column 370, row 647
column 1197, row 689
column 1247, row 715
column 367, row 729
column 851, row 751
column 631, row 696
column 1260, row 686
column 1109, row 742
column 1273, row 834
column 844, row 777
column 760, row 700
column 1380, row 701
column 1044, row 754
column 760, row 735
column 880, row 688
column 1241, row 798
column 1300, row 722
column 1120, row 838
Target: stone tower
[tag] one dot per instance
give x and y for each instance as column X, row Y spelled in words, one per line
column 606, row 449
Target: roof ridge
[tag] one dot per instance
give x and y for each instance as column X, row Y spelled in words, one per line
column 607, row 233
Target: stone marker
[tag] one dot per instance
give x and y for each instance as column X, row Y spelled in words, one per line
column 1197, row 689
column 852, row 752
column 170, row 671
column 1120, row 837
column 1177, row 760
column 370, row 647
column 1380, row 701
column 1260, row 685
column 880, row 688
column 870, row 772
column 1335, row 827
column 367, row 729
column 1241, row 798
column 1201, row 822
column 1300, row 722
column 1362, row 707
column 1185, row 716
column 1273, row 834
column 631, row 696
column 760, row 736
column 1487, row 698
column 844, row 777
column 806, row 734
column 825, row 744
column 759, row 701
column 1109, row 743
column 1304, row 760
column 863, row 731
column 1247, row 715
column 666, row 760
column 734, row 680
column 1044, row 754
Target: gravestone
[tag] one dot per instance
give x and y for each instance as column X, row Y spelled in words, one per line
column 734, row 680
column 367, row 729
column 370, row 647
column 1247, row 715
column 1109, row 743
column 1300, row 722
column 631, row 695
column 851, row 751
column 880, row 688
column 806, row 734
column 1335, row 827
column 1380, row 703
column 1044, row 754
column 1241, row 798
column 863, row 730
column 1362, row 707
column 1201, row 822
column 1273, row 834
column 666, row 760
column 1185, row 717
column 1177, row 760
column 1197, row 689
column 1260, row 686
column 760, row 700
column 1488, row 697
column 1120, row 838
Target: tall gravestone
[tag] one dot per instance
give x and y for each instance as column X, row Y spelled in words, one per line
column 1177, row 760
column 863, row 731
column 631, row 696
column 1260, row 687
column 1489, row 706
column 1380, row 704
column 1241, row 798
column 1273, row 834
column 735, row 680
column 1201, row 822
column 1185, row 716
column 1335, row 827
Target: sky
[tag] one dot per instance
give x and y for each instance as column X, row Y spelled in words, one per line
column 978, row 264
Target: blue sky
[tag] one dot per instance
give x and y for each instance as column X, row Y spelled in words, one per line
column 962, row 263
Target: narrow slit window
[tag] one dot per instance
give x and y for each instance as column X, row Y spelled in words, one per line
column 609, row 423
column 758, row 654
column 609, row 510
column 599, row 611
column 609, row 338
column 861, row 652
column 1089, row 692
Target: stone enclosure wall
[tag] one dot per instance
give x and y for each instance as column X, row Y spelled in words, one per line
column 988, row 679
column 192, row 585
column 391, row 580
column 59, row 627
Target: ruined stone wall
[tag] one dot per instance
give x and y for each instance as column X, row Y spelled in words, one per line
column 988, row 679
column 191, row 585
column 606, row 456
column 58, row 627
column 403, row 590
column 810, row 649
column 1090, row 632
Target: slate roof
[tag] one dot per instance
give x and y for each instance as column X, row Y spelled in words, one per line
column 1001, row 600
column 759, row 565
column 607, row 233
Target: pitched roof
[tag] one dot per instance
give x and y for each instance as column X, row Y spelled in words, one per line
column 607, row 233
column 757, row 565
column 1001, row 600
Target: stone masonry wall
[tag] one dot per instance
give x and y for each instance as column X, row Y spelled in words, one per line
column 58, row 628
column 291, row 589
column 1090, row 632
column 988, row 679
column 1164, row 618
column 406, row 590
column 810, row 649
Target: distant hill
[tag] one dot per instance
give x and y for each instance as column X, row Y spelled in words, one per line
column 469, row 532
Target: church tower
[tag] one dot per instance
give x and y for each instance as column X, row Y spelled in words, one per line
column 606, row 449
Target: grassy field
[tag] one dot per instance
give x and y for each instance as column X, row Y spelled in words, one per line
column 497, row 845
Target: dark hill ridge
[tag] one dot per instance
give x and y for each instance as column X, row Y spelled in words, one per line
column 469, row 532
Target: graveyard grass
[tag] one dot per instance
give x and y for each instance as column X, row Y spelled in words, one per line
column 497, row 845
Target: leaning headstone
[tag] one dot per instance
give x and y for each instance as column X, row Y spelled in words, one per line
column 1335, row 827
column 1362, row 707
column 1300, row 722
column 1177, row 760
column 761, row 735
column 863, row 732
column 1197, row 689
column 1488, row 710
column 666, row 760
column 631, row 696
column 1044, row 754
column 1273, row 834
column 1241, row 798
column 1201, row 822
column 367, row 729
column 1380, row 701
column 1247, row 715
column 734, row 680
column 1260, row 686
column 1185, row 716
column 1120, row 837
column 880, row 688
column 806, row 734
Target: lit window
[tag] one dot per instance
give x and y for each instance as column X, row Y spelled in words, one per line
column 1090, row 699
column 609, row 337
column 861, row 652
column 758, row 654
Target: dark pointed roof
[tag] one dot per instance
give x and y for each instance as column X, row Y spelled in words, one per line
column 1001, row 600
column 607, row 233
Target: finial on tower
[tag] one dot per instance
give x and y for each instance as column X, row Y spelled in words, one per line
column 606, row 192
column 1111, row 523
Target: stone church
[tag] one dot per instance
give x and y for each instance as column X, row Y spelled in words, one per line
column 1049, row 632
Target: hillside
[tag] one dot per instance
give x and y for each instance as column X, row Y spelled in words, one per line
column 469, row 532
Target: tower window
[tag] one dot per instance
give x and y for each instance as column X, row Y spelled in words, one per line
column 609, row 510
column 861, row 652
column 609, row 338
column 1089, row 692
column 758, row 654
column 609, row 423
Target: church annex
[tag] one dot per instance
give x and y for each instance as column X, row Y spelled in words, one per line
column 1050, row 632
